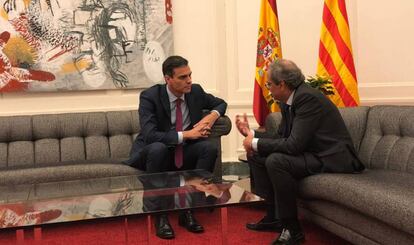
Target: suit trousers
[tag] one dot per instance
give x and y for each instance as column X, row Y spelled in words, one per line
column 158, row 157
column 276, row 177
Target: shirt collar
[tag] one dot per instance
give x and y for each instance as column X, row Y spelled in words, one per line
column 290, row 99
column 171, row 96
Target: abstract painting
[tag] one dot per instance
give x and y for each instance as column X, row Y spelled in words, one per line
column 60, row 45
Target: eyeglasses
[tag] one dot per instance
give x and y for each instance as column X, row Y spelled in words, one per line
column 268, row 85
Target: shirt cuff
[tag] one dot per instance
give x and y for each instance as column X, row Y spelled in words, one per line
column 180, row 137
column 252, row 131
column 218, row 113
column 182, row 181
column 254, row 143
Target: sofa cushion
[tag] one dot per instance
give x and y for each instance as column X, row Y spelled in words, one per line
column 3, row 155
column 59, row 140
column 33, row 141
column 353, row 226
column 15, row 128
column 20, row 153
column 67, row 125
column 389, row 139
column 47, row 151
column 355, row 119
column 383, row 194
column 122, row 122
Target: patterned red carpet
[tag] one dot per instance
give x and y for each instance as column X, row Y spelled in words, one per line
column 113, row 232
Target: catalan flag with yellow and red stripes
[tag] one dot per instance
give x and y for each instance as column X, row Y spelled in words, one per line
column 268, row 49
column 335, row 54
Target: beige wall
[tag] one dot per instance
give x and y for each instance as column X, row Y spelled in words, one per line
column 219, row 39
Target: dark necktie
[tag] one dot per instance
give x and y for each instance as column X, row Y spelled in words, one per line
column 178, row 127
column 288, row 115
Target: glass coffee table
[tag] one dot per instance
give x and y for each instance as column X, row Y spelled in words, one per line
column 35, row 206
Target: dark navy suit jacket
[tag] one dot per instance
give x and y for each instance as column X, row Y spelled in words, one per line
column 318, row 129
column 155, row 115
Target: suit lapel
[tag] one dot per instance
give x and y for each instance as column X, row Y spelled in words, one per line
column 298, row 91
column 292, row 112
column 189, row 101
column 287, row 119
column 165, row 101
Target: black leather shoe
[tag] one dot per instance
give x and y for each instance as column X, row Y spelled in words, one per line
column 163, row 228
column 264, row 225
column 288, row 237
column 188, row 221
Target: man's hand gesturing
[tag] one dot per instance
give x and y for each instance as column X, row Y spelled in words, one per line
column 243, row 125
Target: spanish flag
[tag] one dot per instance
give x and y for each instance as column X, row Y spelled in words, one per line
column 335, row 54
column 268, row 49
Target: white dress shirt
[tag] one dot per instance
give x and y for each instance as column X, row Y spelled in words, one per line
column 184, row 109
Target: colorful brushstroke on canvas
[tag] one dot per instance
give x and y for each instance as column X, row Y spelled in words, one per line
column 54, row 45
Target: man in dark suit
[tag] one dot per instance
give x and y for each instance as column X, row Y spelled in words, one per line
column 312, row 138
column 173, row 131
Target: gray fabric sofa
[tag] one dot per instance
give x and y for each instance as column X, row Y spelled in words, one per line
column 56, row 147
column 377, row 205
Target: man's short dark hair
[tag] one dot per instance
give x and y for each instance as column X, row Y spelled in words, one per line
column 288, row 71
column 171, row 63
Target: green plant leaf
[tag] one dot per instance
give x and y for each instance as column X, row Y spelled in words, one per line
column 323, row 84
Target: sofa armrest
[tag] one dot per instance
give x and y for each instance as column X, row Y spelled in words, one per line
column 221, row 127
column 272, row 123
